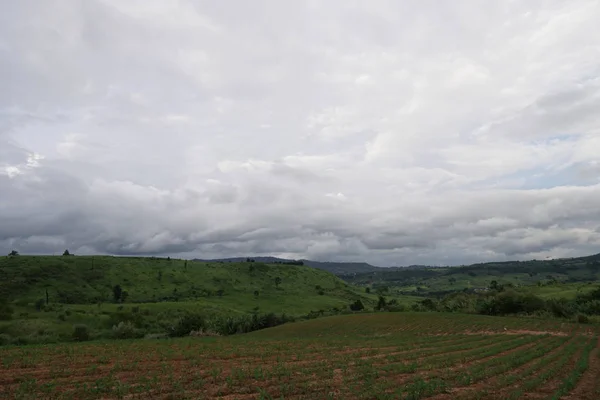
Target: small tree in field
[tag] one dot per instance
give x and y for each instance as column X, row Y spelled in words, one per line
column 13, row 253
column 117, row 292
column 277, row 281
column 66, row 253
column 381, row 304
column 357, row 306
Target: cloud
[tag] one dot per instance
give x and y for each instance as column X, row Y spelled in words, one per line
column 394, row 133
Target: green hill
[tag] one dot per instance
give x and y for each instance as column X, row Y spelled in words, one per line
column 43, row 297
column 437, row 280
column 338, row 268
column 235, row 286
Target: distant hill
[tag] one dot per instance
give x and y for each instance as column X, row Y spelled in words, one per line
column 337, row 268
column 431, row 280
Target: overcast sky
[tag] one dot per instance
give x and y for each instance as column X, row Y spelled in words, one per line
column 395, row 132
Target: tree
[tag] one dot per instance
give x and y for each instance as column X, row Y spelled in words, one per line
column 220, row 292
column 66, row 253
column 367, row 290
column 256, row 293
column 381, row 303
column 13, row 253
column 494, row 285
column 357, row 306
column 277, row 281
column 117, row 292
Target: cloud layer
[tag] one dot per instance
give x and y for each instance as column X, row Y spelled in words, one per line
column 391, row 132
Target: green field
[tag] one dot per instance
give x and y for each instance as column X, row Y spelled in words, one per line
column 369, row 356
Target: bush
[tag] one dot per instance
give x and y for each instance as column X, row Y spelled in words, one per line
column 6, row 311
column 137, row 319
column 187, row 324
column 5, row 339
column 582, row 319
column 125, row 330
column 81, row 333
column 39, row 304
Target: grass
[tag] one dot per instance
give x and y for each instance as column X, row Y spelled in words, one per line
column 89, row 280
column 370, row 356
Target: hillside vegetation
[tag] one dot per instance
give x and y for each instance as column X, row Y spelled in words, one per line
column 439, row 280
column 338, row 268
column 90, row 280
column 43, row 297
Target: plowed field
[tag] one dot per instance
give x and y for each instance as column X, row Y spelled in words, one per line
column 372, row 356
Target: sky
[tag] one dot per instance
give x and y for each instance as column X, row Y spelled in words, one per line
column 392, row 132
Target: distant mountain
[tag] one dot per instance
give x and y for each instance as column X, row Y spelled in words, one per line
column 344, row 268
column 337, row 268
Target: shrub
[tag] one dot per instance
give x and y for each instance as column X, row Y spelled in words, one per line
column 81, row 333
column 125, row 330
column 6, row 311
column 203, row 333
column 582, row 319
column 39, row 304
column 187, row 324
column 5, row 339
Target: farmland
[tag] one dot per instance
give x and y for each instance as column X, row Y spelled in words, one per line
column 368, row 356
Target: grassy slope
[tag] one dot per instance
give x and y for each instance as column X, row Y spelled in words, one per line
column 80, row 291
column 89, row 280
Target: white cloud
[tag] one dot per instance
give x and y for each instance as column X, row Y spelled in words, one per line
column 393, row 132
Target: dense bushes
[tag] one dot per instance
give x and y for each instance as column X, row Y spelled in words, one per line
column 192, row 322
column 126, row 330
column 514, row 303
column 81, row 333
